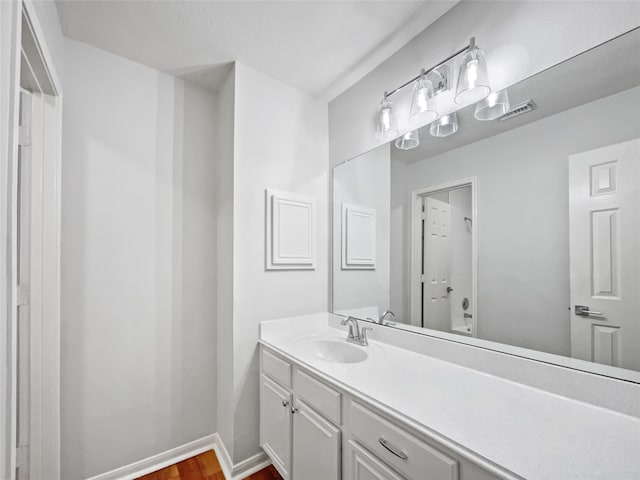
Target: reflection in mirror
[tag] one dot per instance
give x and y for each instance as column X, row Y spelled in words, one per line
column 521, row 230
column 442, row 246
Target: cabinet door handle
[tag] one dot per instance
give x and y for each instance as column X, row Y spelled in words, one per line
column 285, row 403
column 395, row 451
column 295, row 409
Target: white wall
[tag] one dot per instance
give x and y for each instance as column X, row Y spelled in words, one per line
column 224, row 214
column 138, row 263
column 523, row 209
column 194, row 276
column 399, row 282
column 521, row 38
column 151, row 221
column 280, row 142
column 364, row 181
column 461, row 253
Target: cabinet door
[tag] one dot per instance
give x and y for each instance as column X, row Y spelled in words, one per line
column 316, row 446
column 364, row 466
column 275, row 424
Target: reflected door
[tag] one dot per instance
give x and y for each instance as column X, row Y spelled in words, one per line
column 604, row 208
column 436, row 284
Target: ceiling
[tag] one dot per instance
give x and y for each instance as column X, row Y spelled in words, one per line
column 320, row 47
column 605, row 70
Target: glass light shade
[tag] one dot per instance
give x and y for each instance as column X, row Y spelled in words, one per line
column 408, row 141
column 494, row 106
column 385, row 124
column 473, row 81
column 445, row 126
column 422, row 102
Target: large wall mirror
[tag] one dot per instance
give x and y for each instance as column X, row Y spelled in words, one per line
column 520, row 234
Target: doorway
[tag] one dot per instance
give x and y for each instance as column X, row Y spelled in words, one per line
column 30, row 134
column 443, row 258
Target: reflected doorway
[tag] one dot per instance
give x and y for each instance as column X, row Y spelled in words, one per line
column 443, row 259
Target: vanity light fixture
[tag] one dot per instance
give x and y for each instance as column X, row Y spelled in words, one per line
column 385, row 124
column 445, row 126
column 494, row 106
column 409, row 140
column 422, row 102
column 472, row 86
column 473, row 81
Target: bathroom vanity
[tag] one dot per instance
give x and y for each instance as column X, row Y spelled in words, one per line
column 330, row 410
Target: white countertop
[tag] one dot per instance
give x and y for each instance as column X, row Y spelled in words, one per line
column 529, row 432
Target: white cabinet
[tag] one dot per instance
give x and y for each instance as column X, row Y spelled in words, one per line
column 364, row 466
column 312, row 430
column 316, row 445
column 275, row 424
column 300, row 441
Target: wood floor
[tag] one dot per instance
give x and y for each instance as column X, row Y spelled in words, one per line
column 204, row 467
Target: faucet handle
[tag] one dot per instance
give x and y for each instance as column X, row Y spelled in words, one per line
column 363, row 335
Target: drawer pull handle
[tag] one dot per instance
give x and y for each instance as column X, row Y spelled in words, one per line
column 395, row 451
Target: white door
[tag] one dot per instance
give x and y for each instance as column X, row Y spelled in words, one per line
column 275, row 424
column 604, row 207
column 364, row 466
column 436, row 265
column 24, row 170
column 316, row 446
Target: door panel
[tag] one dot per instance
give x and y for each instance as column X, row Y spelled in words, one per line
column 604, row 202
column 275, row 424
column 436, row 308
column 316, row 446
column 364, row 466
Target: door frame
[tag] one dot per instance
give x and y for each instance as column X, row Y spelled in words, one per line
column 23, row 49
column 415, row 270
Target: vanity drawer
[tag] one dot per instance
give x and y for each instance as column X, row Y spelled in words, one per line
column 276, row 368
column 321, row 397
column 403, row 452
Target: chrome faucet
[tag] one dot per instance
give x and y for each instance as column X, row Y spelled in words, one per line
column 384, row 315
column 356, row 335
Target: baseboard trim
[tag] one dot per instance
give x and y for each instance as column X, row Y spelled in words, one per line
column 223, row 457
column 175, row 455
column 161, row 460
column 250, row 465
column 242, row 469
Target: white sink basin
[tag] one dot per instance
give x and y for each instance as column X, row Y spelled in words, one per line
column 334, row 351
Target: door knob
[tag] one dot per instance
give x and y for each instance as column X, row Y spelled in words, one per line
column 285, row 403
column 449, row 289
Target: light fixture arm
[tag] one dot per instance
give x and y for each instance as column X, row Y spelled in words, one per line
column 471, row 45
